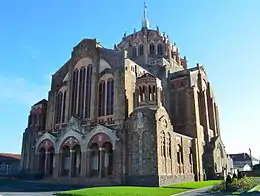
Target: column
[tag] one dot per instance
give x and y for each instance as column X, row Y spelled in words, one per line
column 88, row 162
column 47, row 164
column 72, row 165
column 83, row 164
column 101, row 153
column 36, row 161
column 60, row 164
column 56, row 164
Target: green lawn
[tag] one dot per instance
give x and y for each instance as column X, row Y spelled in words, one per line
column 141, row 191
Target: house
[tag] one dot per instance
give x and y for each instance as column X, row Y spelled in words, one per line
column 243, row 161
column 9, row 164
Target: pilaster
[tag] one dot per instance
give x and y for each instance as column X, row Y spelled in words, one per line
column 84, row 162
column 72, row 165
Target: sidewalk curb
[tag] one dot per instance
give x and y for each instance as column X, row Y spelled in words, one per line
column 193, row 190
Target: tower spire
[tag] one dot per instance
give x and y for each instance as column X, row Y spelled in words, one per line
column 145, row 22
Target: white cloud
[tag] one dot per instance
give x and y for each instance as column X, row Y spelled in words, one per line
column 21, row 91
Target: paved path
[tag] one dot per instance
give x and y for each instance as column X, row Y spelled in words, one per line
column 33, row 188
column 200, row 192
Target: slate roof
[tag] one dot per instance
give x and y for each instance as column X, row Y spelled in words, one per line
column 242, row 157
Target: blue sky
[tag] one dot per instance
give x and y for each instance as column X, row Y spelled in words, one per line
column 37, row 38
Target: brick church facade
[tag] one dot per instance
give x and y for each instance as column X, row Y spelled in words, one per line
column 134, row 115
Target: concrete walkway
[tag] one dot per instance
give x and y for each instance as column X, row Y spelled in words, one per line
column 26, row 188
column 201, row 192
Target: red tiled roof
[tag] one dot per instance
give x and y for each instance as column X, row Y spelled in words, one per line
column 15, row 156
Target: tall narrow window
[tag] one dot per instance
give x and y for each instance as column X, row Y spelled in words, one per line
column 82, row 77
column 141, row 50
column 103, row 109
column 191, row 160
column 200, row 102
column 58, row 107
column 160, row 49
column 57, row 110
column 143, row 93
column 74, row 91
column 140, row 93
column 154, row 93
column 150, row 93
column 112, row 96
column 152, row 48
column 108, row 106
column 64, row 106
column 102, row 97
column 163, row 149
column 134, row 51
column 88, row 91
column 169, row 145
column 162, row 144
column 179, row 154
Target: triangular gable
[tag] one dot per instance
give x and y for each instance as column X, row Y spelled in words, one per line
column 74, row 125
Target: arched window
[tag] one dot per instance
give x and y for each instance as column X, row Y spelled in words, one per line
column 64, row 106
column 160, row 49
column 163, row 147
column 179, row 154
column 75, row 91
column 143, row 93
column 191, row 160
column 140, row 93
column 134, row 51
column 141, row 50
column 81, row 92
column 150, row 93
column 102, row 97
column 169, row 145
column 88, row 91
column 152, row 48
column 58, row 107
column 110, row 96
column 153, row 93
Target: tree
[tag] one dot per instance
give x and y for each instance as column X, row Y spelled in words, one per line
column 256, row 167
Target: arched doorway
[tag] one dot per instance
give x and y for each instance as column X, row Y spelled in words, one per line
column 94, row 160
column 108, row 159
column 41, row 163
column 49, row 166
column 65, row 161
column 76, row 160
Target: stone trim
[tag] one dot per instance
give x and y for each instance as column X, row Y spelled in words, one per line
column 45, row 136
column 102, row 129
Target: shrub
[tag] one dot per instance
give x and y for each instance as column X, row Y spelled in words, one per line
column 256, row 167
column 234, row 176
column 243, row 184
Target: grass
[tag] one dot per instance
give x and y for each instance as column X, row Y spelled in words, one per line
column 141, row 191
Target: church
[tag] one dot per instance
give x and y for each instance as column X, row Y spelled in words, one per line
column 132, row 115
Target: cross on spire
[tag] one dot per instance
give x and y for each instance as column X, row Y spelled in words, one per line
column 145, row 22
